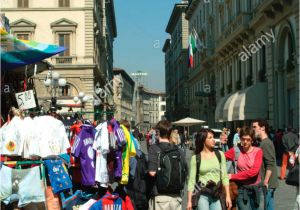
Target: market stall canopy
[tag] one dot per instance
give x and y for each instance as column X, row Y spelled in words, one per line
column 32, row 69
column 188, row 122
column 16, row 52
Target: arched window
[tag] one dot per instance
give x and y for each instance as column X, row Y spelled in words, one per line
column 68, row 90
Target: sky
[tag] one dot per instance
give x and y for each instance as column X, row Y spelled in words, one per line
column 141, row 26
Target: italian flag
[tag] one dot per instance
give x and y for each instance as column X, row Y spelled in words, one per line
column 191, row 50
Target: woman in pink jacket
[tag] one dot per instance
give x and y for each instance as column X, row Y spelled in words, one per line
column 248, row 177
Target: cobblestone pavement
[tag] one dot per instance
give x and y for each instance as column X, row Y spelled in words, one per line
column 285, row 195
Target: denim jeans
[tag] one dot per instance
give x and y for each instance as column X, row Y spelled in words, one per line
column 206, row 202
column 250, row 203
column 270, row 199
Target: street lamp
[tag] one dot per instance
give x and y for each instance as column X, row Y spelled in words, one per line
column 54, row 82
column 81, row 97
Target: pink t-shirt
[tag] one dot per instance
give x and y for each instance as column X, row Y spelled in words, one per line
column 248, row 166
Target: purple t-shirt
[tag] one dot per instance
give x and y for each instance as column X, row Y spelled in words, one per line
column 83, row 149
column 118, row 163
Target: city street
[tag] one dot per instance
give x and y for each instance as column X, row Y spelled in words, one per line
column 285, row 195
column 81, row 81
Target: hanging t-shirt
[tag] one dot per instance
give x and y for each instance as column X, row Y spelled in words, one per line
column 119, row 133
column 58, row 175
column 118, row 163
column 52, row 136
column 31, row 140
column 112, row 138
column 11, row 141
column 101, row 145
column 75, row 130
column 83, row 149
column 110, row 201
column 128, row 151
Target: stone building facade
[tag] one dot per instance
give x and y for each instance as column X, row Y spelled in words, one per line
column 86, row 28
column 124, row 96
column 176, row 70
column 150, row 107
column 249, row 65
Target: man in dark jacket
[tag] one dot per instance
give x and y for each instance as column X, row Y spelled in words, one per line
column 290, row 143
column 270, row 181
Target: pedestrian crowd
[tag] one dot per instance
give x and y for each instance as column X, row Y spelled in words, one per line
column 241, row 174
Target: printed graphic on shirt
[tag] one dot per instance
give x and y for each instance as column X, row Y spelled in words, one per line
column 112, row 207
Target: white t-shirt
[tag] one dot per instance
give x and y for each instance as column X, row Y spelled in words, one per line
column 31, row 139
column 11, row 141
column 101, row 145
column 52, row 136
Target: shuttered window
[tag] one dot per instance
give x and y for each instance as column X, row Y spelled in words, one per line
column 64, row 40
column 64, row 3
column 22, row 3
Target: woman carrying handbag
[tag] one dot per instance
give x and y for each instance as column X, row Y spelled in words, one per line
column 208, row 175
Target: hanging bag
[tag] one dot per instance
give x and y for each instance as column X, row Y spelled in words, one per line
column 293, row 176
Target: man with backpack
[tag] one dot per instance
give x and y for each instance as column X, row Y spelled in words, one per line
column 167, row 168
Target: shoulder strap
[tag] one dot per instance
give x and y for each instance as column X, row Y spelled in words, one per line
column 198, row 162
column 218, row 154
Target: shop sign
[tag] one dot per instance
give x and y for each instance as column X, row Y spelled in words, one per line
column 26, row 100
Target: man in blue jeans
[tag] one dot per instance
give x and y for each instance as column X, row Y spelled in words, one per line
column 270, row 181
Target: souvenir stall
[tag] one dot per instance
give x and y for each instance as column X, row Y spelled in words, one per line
column 98, row 167
column 21, row 60
column 93, row 166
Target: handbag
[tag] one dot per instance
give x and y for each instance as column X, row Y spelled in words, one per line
column 293, row 176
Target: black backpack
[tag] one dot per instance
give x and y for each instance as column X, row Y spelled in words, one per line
column 137, row 185
column 172, row 170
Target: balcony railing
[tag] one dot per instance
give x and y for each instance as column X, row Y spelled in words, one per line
column 237, row 26
column 64, row 60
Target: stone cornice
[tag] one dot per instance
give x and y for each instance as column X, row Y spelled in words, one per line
column 46, row 9
column 76, row 66
column 22, row 23
column 177, row 10
column 191, row 8
column 166, row 45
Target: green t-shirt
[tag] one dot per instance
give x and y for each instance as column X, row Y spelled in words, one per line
column 209, row 170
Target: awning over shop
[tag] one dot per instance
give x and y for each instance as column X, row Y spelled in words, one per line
column 251, row 103
column 228, row 107
column 219, row 109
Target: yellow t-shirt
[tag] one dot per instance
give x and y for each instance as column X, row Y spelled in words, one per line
column 128, row 151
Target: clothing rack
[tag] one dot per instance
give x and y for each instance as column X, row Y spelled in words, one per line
column 18, row 165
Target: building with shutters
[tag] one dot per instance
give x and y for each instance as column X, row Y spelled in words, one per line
column 176, row 70
column 86, row 28
column 241, row 73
